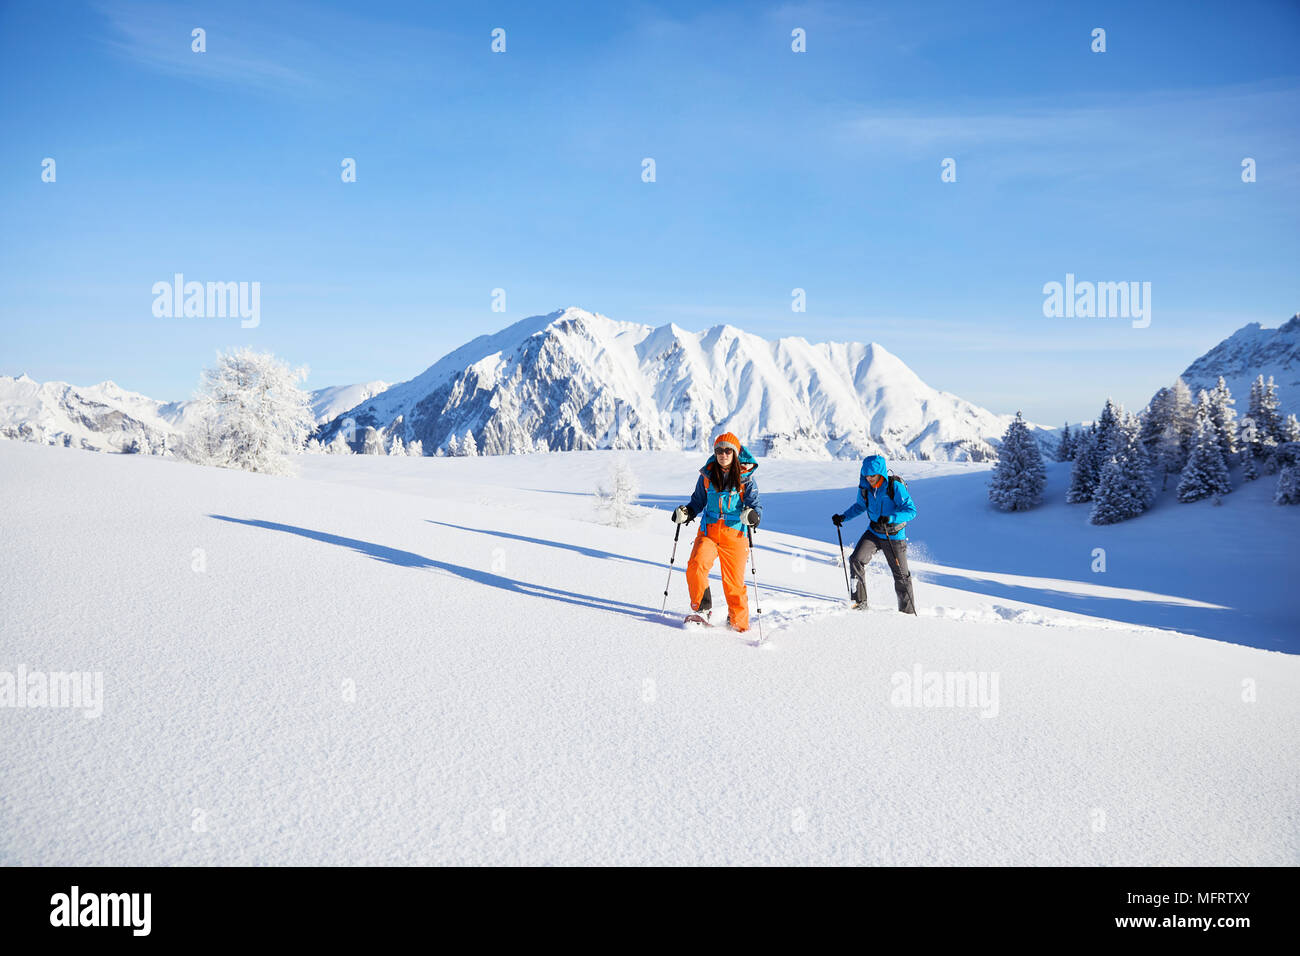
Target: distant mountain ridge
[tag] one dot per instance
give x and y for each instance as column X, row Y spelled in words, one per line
column 1249, row 352
column 107, row 417
column 575, row 379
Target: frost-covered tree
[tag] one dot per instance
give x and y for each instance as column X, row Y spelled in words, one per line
column 395, row 447
column 1086, row 471
column 1224, row 419
column 439, row 453
column 1205, row 474
column 1263, row 409
column 469, row 447
column 1247, row 439
column 1092, row 453
column 1168, row 455
column 616, row 500
column 339, row 446
column 1288, row 478
column 1019, row 476
column 1291, row 429
column 1065, row 450
column 1107, row 421
column 1155, row 417
column 1124, row 490
column 453, row 447
column 415, row 449
column 372, row 443
column 1178, row 408
column 251, row 413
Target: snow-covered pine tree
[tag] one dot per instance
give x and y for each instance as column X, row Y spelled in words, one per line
column 1248, row 441
column 339, row 445
column 1106, row 423
column 252, row 414
column 1154, row 419
column 469, row 447
column 1086, row 472
column 1092, row 455
column 453, row 447
column 1019, row 476
column 1124, row 490
column 1168, row 457
column 1205, row 474
column 415, row 448
column 1291, row 428
column 373, row 443
column 313, row 447
column 1065, row 450
column 1224, row 419
column 1288, row 478
column 396, row 447
column 1182, row 412
column 1264, row 409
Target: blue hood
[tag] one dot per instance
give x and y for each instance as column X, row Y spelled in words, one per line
column 875, row 465
column 747, row 463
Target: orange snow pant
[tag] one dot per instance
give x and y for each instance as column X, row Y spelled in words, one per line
column 719, row 541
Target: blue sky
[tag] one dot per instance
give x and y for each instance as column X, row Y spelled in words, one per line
column 775, row 170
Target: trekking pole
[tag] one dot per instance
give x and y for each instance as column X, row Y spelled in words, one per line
column 671, row 561
column 758, row 611
column 894, row 554
column 844, row 563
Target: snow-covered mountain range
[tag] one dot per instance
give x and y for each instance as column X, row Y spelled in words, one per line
column 106, row 417
column 1247, row 353
column 575, row 379
column 579, row 380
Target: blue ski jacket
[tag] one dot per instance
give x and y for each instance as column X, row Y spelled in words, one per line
column 891, row 501
column 725, row 506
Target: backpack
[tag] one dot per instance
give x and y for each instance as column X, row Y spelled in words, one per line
column 889, row 486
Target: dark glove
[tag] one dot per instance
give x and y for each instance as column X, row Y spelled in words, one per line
column 750, row 517
column 880, row 526
column 837, row 520
column 681, row 514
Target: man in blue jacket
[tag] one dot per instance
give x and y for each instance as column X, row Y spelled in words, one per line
column 888, row 507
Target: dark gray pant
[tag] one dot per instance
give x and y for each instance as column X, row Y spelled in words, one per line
column 866, row 549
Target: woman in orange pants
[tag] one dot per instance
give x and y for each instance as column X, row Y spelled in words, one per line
column 726, row 496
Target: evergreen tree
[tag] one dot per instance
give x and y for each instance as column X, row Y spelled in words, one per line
column 1205, row 473
column 469, row 447
column 1249, row 442
column 1288, row 479
column 1168, row 457
column 1019, row 477
column 415, row 449
column 1264, row 410
column 1291, row 428
column 395, row 447
column 1124, row 489
column 1224, row 419
column 1065, row 450
column 453, row 447
column 339, row 446
column 1107, row 421
column 1086, row 472
column 1182, row 412
column 373, row 443
column 1154, row 419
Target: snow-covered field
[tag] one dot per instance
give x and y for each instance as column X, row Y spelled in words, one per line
column 399, row 660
